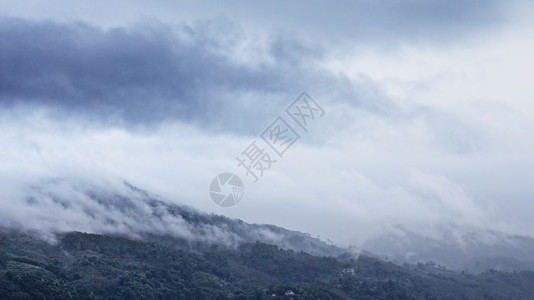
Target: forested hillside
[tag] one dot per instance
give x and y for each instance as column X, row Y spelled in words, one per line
column 89, row 266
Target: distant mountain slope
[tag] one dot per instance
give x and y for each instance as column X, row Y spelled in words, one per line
column 459, row 249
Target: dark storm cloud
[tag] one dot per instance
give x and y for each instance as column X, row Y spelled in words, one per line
column 384, row 22
column 155, row 72
column 140, row 74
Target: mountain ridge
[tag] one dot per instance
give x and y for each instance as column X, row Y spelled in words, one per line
column 126, row 210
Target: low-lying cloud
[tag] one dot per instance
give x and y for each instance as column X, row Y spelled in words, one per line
column 413, row 135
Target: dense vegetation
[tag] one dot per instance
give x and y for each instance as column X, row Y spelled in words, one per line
column 88, row 266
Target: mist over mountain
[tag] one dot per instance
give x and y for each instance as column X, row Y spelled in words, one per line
column 125, row 210
column 135, row 213
column 379, row 149
column 474, row 250
column 154, row 249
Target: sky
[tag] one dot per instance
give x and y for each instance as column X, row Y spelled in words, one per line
column 428, row 109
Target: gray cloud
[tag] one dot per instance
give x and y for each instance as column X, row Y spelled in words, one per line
column 382, row 23
column 142, row 74
column 154, row 72
column 387, row 23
